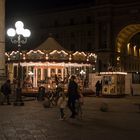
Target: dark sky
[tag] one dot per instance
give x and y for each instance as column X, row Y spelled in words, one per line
column 15, row 9
column 23, row 5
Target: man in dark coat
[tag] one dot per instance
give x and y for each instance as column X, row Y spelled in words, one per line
column 72, row 95
column 6, row 90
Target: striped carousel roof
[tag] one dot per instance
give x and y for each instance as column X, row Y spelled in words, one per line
column 50, row 44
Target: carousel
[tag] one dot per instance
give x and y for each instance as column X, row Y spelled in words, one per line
column 49, row 64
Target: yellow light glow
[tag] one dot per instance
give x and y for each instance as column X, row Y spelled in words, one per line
column 55, row 51
column 13, row 52
column 80, row 53
column 128, row 48
column 135, row 52
column 118, row 49
column 106, row 73
column 40, row 52
column 118, row 58
column 30, row 52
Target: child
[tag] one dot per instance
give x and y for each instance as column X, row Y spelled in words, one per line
column 62, row 102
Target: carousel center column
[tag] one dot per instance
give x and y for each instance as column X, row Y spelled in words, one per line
column 2, row 42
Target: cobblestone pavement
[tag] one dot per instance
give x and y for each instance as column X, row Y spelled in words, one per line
column 34, row 122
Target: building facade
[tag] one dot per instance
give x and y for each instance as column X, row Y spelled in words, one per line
column 108, row 28
column 2, row 41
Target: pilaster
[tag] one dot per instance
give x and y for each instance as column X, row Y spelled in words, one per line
column 2, row 41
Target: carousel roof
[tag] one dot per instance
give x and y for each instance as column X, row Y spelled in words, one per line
column 51, row 51
column 50, row 44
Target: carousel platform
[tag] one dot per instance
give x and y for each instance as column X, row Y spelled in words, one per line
column 30, row 92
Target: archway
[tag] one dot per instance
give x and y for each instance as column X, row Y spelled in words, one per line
column 125, row 35
column 128, row 53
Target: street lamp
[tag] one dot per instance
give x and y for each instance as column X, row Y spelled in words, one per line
column 19, row 36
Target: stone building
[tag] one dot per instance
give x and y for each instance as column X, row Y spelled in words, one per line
column 2, row 41
column 108, row 28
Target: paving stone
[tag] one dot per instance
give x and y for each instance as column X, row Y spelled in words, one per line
column 13, row 138
column 2, row 137
column 34, row 122
column 35, row 132
column 27, row 137
column 40, row 137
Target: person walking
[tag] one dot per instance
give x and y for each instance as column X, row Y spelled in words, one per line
column 72, row 95
column 6, row 90
column 62, row 102
column 97, row 85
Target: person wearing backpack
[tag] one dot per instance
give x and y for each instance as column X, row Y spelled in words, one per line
column 6, row 90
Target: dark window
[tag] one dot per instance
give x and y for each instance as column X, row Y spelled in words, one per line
column 89, row 33
column 72, row 35
column 71, row 21
column 88, row 19
column 56, row 23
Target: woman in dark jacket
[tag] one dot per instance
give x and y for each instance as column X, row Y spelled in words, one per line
column 98, row 88
column 72, row 95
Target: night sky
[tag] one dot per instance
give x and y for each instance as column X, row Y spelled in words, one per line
column 16, row 9
column 29, row 5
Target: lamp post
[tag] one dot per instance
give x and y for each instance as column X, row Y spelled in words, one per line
column 19, row 36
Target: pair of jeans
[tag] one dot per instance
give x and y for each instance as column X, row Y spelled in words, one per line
column 6, row 99
column 71, row 105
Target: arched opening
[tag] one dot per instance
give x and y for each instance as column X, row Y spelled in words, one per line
column 128, row 48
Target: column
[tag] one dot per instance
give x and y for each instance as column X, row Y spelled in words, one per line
column 49, row 72
column 56, row 71
column 42, row 74
column 35, row 77
column 2, row 41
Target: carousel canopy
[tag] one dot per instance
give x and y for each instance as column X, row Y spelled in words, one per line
column 50, row 44
column 51, row 51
